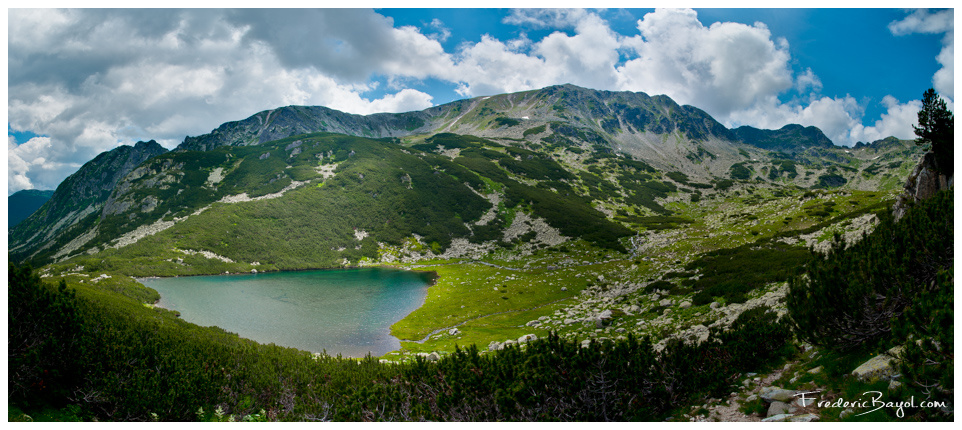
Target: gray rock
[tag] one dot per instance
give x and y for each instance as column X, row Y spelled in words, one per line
column 527, row 338
column 454, row 331
column 923, row 182
column 777, row 418
column 685, row 305
column 777, row 408
column 846, row 413
column 664, row 302
column 533, row 323
column 807, row 418
column 772, row 394
column 494, row 345
column 434, row 356
column 714, row 305
column 879, row 367
column 808, row 401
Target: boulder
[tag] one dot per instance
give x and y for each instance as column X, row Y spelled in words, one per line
column 777, row 408
column 454, row 331
column 533, row 323
column 777, row 418
column 881, row 366
column 434, row 356
column 685, row 305
column 773, row 394
column 494, row 345
column 807, row 418
column 527, row 338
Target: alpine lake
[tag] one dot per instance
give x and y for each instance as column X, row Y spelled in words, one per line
column 347, row 312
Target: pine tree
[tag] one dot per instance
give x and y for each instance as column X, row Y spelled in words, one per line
column 936, row 127
column 852, row 296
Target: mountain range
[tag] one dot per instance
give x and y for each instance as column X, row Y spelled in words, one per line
column 586, row 164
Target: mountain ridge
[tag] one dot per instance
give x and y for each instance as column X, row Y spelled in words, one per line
column 23, row 203
column 612, row 150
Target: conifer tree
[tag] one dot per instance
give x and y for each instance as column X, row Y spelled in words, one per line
column 936, row 128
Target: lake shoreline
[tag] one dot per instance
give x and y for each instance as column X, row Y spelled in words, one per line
column 347, row 311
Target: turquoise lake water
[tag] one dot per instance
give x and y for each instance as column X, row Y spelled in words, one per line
column 347, row 312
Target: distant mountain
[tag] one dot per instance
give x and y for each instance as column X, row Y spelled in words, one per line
column 629, row 122
column 331, row 188
column 25, row 202
column 79, row 196
column 790, row 138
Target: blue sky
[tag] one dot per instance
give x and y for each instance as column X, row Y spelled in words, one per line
column 85, row 81
column 849, row 49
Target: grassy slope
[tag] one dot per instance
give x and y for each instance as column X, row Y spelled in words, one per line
column 314, row 226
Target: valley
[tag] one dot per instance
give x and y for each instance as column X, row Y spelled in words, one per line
column 565, row 215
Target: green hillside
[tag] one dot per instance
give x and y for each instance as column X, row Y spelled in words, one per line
column 23, row 203
column 646, row 247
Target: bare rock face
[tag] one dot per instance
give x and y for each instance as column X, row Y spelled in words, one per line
column 923, row 183
column 79, row 195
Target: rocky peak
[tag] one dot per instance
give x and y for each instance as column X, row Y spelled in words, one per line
column 80, row 195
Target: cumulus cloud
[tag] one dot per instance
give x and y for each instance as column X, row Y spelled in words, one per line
column 942, row 22
column 721, row 68
column 89, row 80
column 546, row 18
column 840, row 118
column 348, row 44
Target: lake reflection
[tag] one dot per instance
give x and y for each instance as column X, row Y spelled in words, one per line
column 347, row 312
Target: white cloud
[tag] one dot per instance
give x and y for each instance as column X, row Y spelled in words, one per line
column 443, row 33
column 942, row 22
column 94, row 79
column 807, row 81
column 721, row 68
column 840, row 118
column 546, row 18
column 491, row 67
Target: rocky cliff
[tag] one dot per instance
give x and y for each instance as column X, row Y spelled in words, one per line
column 924, row 182
column 80, row 195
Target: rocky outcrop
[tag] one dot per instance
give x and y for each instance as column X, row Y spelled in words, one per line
column 880, row 367
column 78, row 196
column 924, row 182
